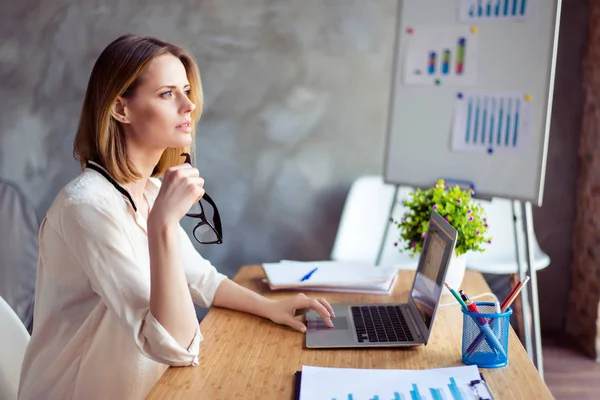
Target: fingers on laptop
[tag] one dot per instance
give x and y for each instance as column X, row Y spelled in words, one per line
column 314, row 304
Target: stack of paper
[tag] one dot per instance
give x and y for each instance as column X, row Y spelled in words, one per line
column 331, row 276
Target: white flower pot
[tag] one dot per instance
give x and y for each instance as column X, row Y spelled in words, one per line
column 456, row 272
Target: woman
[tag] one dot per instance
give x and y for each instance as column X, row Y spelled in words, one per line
column 117, row 274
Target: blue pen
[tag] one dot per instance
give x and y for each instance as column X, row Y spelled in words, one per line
column 308, row 275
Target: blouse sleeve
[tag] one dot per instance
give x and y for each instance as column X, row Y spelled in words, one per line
column 102, row 248
column 202, row 277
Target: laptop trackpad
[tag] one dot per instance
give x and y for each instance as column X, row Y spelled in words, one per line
column 339, row 323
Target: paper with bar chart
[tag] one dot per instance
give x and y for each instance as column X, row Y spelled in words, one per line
column 453, row 383
column 496, row 10
column 441, row 55
column 491, row 122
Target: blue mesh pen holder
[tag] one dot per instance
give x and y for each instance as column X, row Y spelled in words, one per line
column 485, row 336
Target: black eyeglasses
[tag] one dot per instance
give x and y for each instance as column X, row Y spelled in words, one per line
column 208, row 230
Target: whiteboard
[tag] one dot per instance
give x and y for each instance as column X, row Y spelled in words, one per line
column 510, row 57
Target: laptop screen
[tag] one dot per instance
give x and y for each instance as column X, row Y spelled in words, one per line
column 433, row 262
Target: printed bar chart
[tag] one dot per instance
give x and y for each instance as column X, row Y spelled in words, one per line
column 441, row 56
column 475, row 10
column 415, row 393
column 452, row 383
column 445, row 66
column 491, row 122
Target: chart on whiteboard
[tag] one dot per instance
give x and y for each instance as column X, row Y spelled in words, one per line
column 496, row 10
column 441, row 55
column 491, row 122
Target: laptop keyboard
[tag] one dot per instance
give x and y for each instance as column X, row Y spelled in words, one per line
column 377, row 324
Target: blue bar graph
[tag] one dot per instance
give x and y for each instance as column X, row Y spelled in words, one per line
column 456, row 395
column 484, row 124
column 500, row 119
column 476, row 125
column 517, row 107
column 491, row 121
column 437, row 394
column 508, row 122
column 414, row 394
column 452, row 392
column 469, row 112
column 496, row 9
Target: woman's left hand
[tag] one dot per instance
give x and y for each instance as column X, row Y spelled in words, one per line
column 283, row 311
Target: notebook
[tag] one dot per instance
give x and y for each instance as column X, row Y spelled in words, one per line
column 331, row 276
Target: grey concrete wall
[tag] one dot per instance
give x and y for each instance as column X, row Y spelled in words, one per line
column 296, row 103
column 296, row 99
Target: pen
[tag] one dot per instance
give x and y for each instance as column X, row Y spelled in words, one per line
column 491, row 338
column 305, row 277
column 456, row 296
column 505, row 304
column 471, row 306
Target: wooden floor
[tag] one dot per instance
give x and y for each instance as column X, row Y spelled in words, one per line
column 568, row 373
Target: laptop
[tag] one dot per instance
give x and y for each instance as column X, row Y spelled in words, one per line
column 393, row 324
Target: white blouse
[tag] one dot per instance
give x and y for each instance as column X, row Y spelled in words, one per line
column 94, row 336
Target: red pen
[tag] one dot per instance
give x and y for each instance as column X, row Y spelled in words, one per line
column 471, row 306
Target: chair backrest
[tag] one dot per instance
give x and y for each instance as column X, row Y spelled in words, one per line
column 364, row 221
column 13, row 343
column 19, row 227
column 501, row 256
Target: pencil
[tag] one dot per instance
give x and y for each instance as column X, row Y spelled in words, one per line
column 456, row 296
column 513, row 295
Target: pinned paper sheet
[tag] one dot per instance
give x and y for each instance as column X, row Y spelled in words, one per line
column 491, row 122
column 496, row 10
column 441, row 55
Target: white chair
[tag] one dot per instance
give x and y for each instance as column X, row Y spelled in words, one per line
column 364, row 221
column 14, row 339
column 19, row 227
column 500, row 257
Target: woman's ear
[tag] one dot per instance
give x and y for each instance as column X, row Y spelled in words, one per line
column 119, row 111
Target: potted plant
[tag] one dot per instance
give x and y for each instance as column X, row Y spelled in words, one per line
column 457, row 207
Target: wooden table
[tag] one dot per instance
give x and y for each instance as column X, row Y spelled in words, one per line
column 247, row 357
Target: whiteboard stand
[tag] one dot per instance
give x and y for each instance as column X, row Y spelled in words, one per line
column 523, row 230
column 529, row 295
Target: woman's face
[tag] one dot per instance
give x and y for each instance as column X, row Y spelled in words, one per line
column 158, row 114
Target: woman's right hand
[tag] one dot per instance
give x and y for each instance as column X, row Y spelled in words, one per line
column 182, row 186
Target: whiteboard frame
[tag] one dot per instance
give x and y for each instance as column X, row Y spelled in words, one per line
column 404, row 177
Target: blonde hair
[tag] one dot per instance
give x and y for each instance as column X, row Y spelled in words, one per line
column 117, row 71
